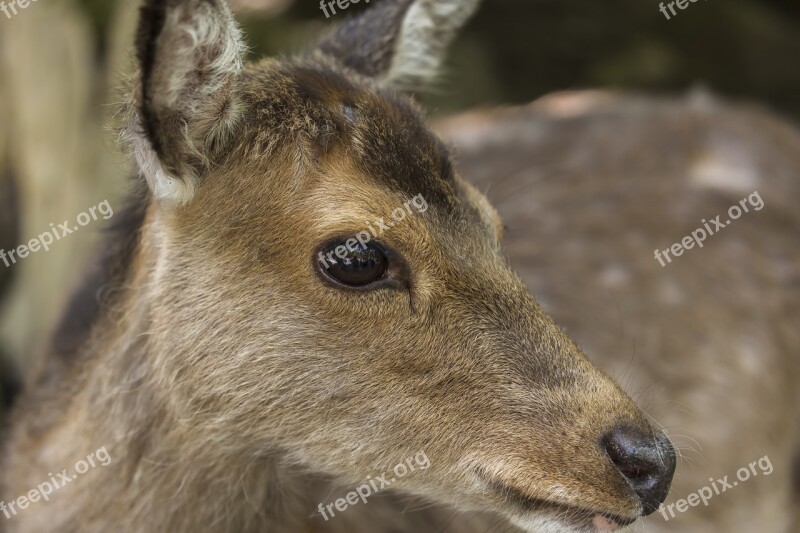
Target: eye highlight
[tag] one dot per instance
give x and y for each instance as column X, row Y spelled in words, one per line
column 355, row 266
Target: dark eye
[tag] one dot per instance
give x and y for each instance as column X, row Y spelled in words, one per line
column 356, row 265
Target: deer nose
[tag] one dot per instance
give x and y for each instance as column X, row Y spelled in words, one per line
column 646, row 462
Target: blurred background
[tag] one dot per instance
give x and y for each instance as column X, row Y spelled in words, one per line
column 62, row 62
column 514, row 50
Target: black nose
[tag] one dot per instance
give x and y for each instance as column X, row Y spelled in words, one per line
column 647, row 462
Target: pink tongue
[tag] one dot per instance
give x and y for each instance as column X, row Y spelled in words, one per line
column 604, row 524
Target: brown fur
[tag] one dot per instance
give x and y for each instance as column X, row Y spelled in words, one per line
column 233, row 388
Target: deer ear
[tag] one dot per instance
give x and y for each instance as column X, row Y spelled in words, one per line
column 186, row 108
column 401, row 43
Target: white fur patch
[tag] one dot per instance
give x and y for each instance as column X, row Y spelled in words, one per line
column 165, row 188
column 428, row 29
column 541, row 524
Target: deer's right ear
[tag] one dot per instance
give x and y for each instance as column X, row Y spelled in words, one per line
column 185, row 109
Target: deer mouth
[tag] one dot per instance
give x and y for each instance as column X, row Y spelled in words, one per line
column 577, row 518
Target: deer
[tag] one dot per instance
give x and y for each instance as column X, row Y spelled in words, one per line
column 235, row 382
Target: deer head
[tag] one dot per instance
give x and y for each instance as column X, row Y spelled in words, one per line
column 274, row 329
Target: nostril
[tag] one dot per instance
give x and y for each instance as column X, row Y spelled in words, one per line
column 646, row 462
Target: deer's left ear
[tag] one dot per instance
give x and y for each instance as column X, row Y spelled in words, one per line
column 185, row 108
column 401, row 43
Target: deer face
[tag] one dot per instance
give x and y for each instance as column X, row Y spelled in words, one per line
column 328, row 286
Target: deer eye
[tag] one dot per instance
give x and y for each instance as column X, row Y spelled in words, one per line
column 356, row 265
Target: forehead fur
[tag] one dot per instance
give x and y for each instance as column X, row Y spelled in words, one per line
column 316, row 110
